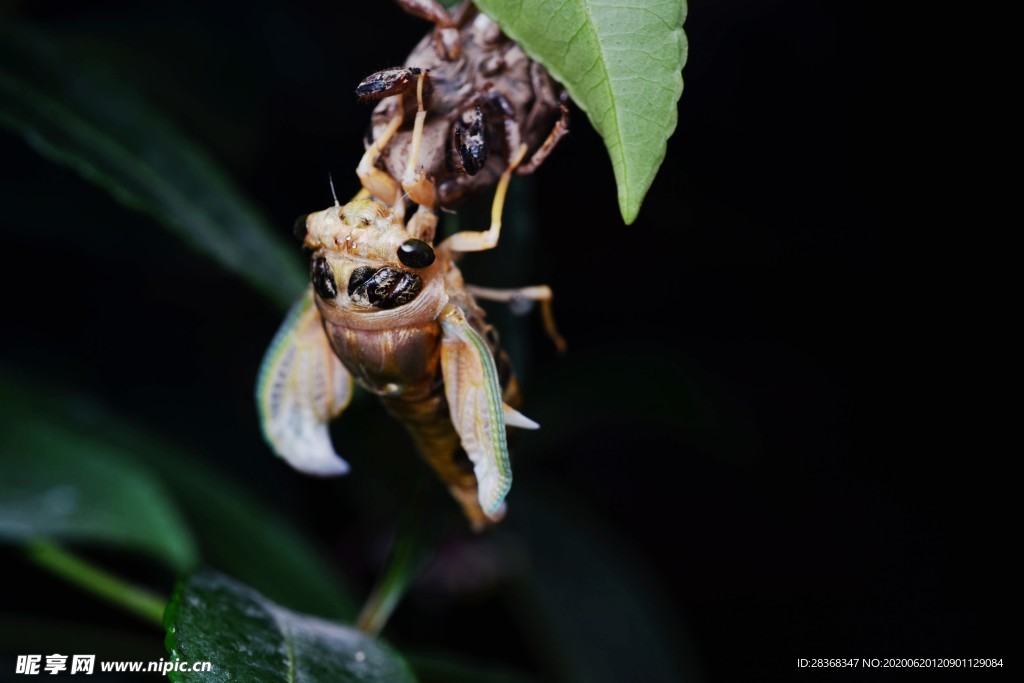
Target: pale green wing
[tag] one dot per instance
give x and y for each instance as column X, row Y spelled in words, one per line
column 477, row 411
column 301, row 387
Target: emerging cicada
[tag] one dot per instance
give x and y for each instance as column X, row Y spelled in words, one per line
column 392, row 312
column 388, row 310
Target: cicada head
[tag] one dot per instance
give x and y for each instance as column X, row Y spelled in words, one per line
column 365, row 263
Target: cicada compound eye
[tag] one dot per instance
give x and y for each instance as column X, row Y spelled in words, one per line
column 416, row 253
column 323, row 279
column 299, row 227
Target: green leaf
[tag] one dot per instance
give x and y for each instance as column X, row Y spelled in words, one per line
column 249, row 638
column 56, row 484
column 236, row 530
column 75, row 113
column 621, row 63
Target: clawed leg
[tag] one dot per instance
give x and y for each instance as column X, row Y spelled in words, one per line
column 487, row 239
column 541, row 293
column 415, row 183
column 374, row 180
column 556, row 134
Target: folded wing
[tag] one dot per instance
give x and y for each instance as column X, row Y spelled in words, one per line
column 302, row 386
column 477, row 411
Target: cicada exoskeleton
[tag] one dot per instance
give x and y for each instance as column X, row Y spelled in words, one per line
column 466, row 104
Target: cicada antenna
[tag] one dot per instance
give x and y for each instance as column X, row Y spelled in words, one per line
column 330, row 181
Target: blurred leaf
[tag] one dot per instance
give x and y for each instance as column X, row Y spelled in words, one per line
column 73, row 112
column 621, row 63
column 237, row 531
column 56, row 484
column 247, row 637
column 589, row 604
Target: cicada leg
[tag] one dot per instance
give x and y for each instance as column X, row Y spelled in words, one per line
column 541, row 293
column 487, row 239
column 423, row 224
column 556, row 134
column 376, row 181
column 416, row 184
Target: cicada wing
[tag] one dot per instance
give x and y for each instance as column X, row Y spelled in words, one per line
column 513, row 418
column 477, row 411
column 301, row 387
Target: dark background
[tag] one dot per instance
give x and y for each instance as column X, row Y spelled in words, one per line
column 755, row 401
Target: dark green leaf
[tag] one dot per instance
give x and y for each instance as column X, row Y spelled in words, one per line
column 249, row 638
column 62, row 485
column 236, row 530
column 621, row 63
column 73, row 112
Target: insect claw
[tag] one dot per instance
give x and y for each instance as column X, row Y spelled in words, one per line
column 387, row 82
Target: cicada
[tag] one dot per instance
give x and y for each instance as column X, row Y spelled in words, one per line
column 387, row 310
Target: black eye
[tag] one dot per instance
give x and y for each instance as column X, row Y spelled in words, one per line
column 416, row 254
column 323, row 279
column 299, row 228
column 359, row 276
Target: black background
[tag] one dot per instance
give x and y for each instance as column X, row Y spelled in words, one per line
column 762, row 408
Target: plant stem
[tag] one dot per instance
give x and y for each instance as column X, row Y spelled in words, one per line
column 75, row 570
column 410, row 554
column 386, row 595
